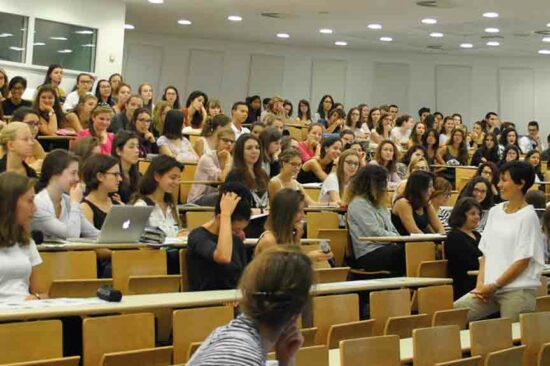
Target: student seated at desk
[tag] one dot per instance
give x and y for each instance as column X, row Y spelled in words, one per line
column 440, row 201
column 412, row 213
column 126, row 151
column 18, row 253
column 284, row 224
column 317, row 169
column 387, row 156
column 216, row 255
column 58, row 214
column 333, row 188
column 461, row 246
column 368, row 216
column 208, row 141
column 172, row 143
column 49, row 110
column 479, row 189
column 101, row 119
column 513, row 252
column 141, row 124
column 16, row 89
column 17, row 144
column 275, row 289
column 155, row 189
column 30, row 117
column 311, row 147
column 291, row 162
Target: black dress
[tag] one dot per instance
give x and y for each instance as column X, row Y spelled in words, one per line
column 461, row 250
column 421, row 221
column 310, row 177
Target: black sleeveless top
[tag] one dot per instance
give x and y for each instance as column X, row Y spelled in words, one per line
column 421, row 221
column 99, row 215
column 310, row 177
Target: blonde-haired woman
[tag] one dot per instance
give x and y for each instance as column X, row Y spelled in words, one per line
column 17, row 143
column 159, row 116
column 416, row 163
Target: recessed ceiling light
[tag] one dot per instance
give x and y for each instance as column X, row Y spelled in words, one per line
column 548, row 25
column 325, row 31
column 184, row 22
column 493, row 43
column 5, row 35
column 546, row 39
column 16, row 48
column 436, row 34
column 466, row 45
column 234, row 18
column 386, row 39
column 129, row 26
column 65, row 51
column 39, row 44
column 283, row 35
column 59, row 38
column 84, row 32
column 156, row 1
column 341, row 43
column 490, row 14
column 492, row 30
column 542, row 52
column 429, row 21
column 374, row 26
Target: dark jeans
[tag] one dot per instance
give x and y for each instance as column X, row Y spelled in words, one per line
column 390, row 257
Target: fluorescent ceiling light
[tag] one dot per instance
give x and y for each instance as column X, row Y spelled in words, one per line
column 184, row 22
column 429, row 21
column 341, row 43
column 493, row 43
column 436, row 34
column 492, row 30
column 283, row 35
column 65, row 51
column 386, row 39
column 374, row 26
column 59, row 38
column 466, row 45
column 39, row 44
column 325, row 31
column 542, row 52
column 490, row 14
column 129, row 26
column 234, row 18
column 5, row 35
column 156, row 1
column 16, row 48
column 546, row 39
column 84, row 32
column 88, row 45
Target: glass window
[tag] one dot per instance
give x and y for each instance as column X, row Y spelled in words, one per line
column 64, row 44
column 12, row 37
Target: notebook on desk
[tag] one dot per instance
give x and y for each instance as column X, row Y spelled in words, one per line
column 123, row 224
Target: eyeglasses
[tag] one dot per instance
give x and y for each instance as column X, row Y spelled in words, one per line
column 227, row 141
column 116, row 174
column 351, row 163
column 477, row 190
column 145, row 120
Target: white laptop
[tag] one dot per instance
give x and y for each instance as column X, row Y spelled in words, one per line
column 123, row 224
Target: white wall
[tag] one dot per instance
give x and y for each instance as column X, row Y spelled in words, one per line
column 518, row 88
column 107, row 16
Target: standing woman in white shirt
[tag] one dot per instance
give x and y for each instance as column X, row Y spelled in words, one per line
column 513, row 251
column 18, row 253
column 58, row 214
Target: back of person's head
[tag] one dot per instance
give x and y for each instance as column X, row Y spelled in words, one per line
column 288, row 154
column 429, row 121
column 441, row 187
column 173, row 124
column 85, row 147
column 417, row 185
column 275, row 286
column 536, row 198
column 95, row 165
column 12, row 187
column 55, row 163
column 284, row 207
column 401, row 119
column 20, row 113
column 243, row 210
column 460, row 210
column 212, row 124
column 370, row 182
column 10, row 132
column 520, row 172
column 159, row 166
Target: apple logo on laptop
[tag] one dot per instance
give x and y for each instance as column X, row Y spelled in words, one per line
column 126, row 224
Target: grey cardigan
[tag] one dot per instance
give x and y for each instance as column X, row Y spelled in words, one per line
column 364, row 219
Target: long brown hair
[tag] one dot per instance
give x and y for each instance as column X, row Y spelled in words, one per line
column 392, row 165
column 462, row 149
column 284, row 207
column 260, row 179
column 340, row 169
column 12, row 187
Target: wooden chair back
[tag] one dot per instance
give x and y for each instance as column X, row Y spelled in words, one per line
column 386, row 304
column 338, row 243
column 161, row 356
column 154, row 284
column 187, row 175
column 31, row 341
column 64, row 361
column 77, row 288
column 313, row 193
column 543, row 303
column 458, row 317
column 490, row 335
column 436, row 344
column 128, row 263
column 463, row 176
column 507, row 357
column 470, row 361
column 453, row 198
column 320, row 220
column 184, row 285
column 309, row 336
column 70, row 265
column 117, row 333
column 295, row 132
column 312, row 356
column 379, row 351
column 544, row 355
column 194, row 325
column 334, row 309
column 402, row 326
column 434, row 298
column 327, row 275
column 195, row 219
column 433, row 269
column 535, row 332
column 143, row 164
column 353, row 330
column 415, row 253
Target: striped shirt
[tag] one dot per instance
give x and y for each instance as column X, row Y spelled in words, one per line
column 235, row 344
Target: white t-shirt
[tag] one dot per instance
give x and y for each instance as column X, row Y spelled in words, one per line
column 71, row 101
column 398, row 135
column 509, row 237
column 329, row 184
column 166, row 223
column 16, row 264
column 238, row 132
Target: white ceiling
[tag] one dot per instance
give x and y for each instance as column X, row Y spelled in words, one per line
column 459, row 20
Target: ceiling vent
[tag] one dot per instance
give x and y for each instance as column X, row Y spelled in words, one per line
column 435, row 47
column 492, row 37
column 274, row 15
column 543, row 32
column 440, row 4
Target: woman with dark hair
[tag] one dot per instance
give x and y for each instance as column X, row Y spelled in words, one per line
column 122, row 96
column 317, row 169
column 247, row 169
column 121, row 120
column 291, row 163
column 417, row 134
column 446, row 130
column 487, row 152
column 353, row 121
column 116, row 81
column 172, row 143
column 386, row 155
column 103, row 93
column 208, row 140
column 16, row 89
column 18, row 253
column 479, row 188
column 101, row 120
column 430, row 141
column 156, row 187
column 126, row 150
column 512, row 245
column 16, row 141
column 461, row 246
column 489, row 171
column 4, row 93
column 476, row 136
column 195, row 111
column 326, row 104
column 383, row 130
column 140, row 124
column 172, row 96
column 276, row 290
column 311, row 147
column 79, row 118
column 510, row 153
column 54, row 77
column 402, row 131
column 145, row 91
column 533, row 158
column 58, row 214
column 254, row 104
column 368, row 216
column 412, row 213
column 271, row 146
column 288, row 107
column 51, row 115
column 508, row 137
column 372, row 121
column 333, row 188
column 304, row 113
column 414, row 152
column 455, row 152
